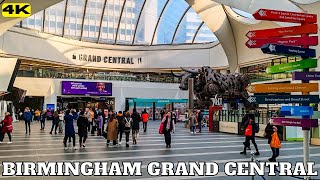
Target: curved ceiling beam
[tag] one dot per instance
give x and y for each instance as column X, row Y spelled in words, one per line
column 138, row 20
column 305, row 2
column 84, row 15
column 117, row 32
column 178, row 25
column 102, row 15
column 195, row 34
column 155, row 29
column 64, row 17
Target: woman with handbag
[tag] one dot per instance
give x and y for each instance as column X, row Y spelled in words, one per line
column 6, row 127
column 249, row 132
column 168, row 126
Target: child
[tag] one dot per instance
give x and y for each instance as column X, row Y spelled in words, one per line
column 275, row 144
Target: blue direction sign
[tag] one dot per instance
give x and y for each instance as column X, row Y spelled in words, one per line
column 297, row 110
column 288, row 50
column 283, row 99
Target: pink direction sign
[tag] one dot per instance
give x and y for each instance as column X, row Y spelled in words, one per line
column 305, row 123
column 289, row 41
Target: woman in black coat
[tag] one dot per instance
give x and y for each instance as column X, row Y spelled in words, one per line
column 83, row 125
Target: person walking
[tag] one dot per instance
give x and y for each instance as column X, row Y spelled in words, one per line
column 99, row 123
column 43, row 119
column 135, row 125
column 168, row 126
column 55, row 122
column 192, row 122
column 69, row 129
column 37, row 114
column 250, row 130
column 199, row 119
column 270, row 130
column 112, row 130
column 82, row 124
column 27, row 117
column 61, row 122
column 6, row 127
column 121, row 123
column 127, row 127
column 145, row 119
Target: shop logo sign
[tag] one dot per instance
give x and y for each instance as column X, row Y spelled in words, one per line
column 16, row 10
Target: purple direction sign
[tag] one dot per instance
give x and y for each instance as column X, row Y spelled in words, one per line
column 305, row 123
column 306, row 76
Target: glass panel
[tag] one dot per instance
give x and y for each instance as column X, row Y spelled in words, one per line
column 34, row 21
column 92, row 20
column 129, row 20
column 54, row 15
column 74, row 18
column 148, row 21
column 188, row 28
column 205, row 35
column 110, row 21
column 169, row 21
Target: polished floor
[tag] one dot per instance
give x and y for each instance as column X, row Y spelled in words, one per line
column 186, row 147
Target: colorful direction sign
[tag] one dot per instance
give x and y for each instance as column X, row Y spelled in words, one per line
column 283, row 99
column 290, row 41
column 288, row 50
column 297, row 110
column 306, row 76
column 306, row 63
column 281, row 88
column 286, row 31
column 306, row 123
column 284, row 16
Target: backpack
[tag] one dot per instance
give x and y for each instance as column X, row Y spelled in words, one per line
column 256, row 128
column 128, row 123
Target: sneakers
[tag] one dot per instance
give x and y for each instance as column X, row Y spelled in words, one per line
column 9, row 143
column 243, row 152
column 1, row 142
column 257, row 153
column 119, row 142
column 75, row 148
column 65, row 148
column 83, row 145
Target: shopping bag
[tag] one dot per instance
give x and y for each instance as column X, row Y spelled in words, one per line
column 161, row 128
column 248, row 131
column 275, row 141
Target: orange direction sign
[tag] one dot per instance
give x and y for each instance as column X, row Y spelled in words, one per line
column 282, row 88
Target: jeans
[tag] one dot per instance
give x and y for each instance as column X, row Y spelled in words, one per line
column 167, row 137
column 135, row 135
column 192, row 128
column 247, row 143
column 120, row 132
column 275, row 153
column 27, row 124
column 55, row 126
column 60, row 126
column 200, row 125
column 127, row 136
column 66, row 138
column 145, row 124
column 2, row 136
column 82, row 140
column 42, row 124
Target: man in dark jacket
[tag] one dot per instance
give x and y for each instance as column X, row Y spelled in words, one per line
column 121, row 125
column 250, row 124
column 200, row 118
column 135, row 125
column 27, row 117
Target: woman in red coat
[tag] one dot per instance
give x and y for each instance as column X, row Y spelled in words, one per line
column 6, row 127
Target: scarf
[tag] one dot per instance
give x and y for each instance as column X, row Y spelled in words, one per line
column 168, row 123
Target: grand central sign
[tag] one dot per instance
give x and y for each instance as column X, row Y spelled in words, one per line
column 107, row 59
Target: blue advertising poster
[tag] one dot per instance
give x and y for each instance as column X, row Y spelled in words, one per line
column 50, row 106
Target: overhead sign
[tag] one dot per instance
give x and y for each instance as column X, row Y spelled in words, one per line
column 281, row 88
column 306, row 63
column 289, row 41
column 283, row 99
column 306, row 123
column 86, row 88
column 284, row 16
column 286, row 31
column 306, row 76
column 288, row 50
column 297, row 110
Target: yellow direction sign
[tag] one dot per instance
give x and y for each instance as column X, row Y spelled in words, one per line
column 282, row 88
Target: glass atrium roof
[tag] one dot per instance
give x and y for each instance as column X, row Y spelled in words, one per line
column 123, row 22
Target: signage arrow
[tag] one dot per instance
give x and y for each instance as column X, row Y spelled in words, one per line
column 305, row 123
column 285, row 31
column 290, row 41
column 306, row 76
column 306, row 63
column 282, row 88
column 283, row 99
column 284, row 16
column 297, row 110
column 288, row 50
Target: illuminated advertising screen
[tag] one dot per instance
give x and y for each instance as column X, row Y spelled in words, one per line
column 86, row 88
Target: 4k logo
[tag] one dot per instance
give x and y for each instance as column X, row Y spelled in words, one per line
column 16, row 10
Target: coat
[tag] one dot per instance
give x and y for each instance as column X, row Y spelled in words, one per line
column 27, row 116
column 269, row 131
column 112, row 130
column 165, row 122
column 135, row 121
column 69, row 128
column 6, row 122
column 192, row 120
column 120, row 119
column 83, row 124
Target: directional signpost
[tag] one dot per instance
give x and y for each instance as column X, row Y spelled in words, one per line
column 284, row 16
column 288, row 50
column 289, row 41
column 285, row 31
column 306, row 63
column 306, row 76
column 297, row 110
column 306, row 123
column 282, row 88
column 283, row 99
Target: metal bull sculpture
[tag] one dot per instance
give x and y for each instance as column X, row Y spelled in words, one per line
column 208, row 83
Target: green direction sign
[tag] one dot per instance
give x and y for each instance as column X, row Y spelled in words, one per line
column 306, row 63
